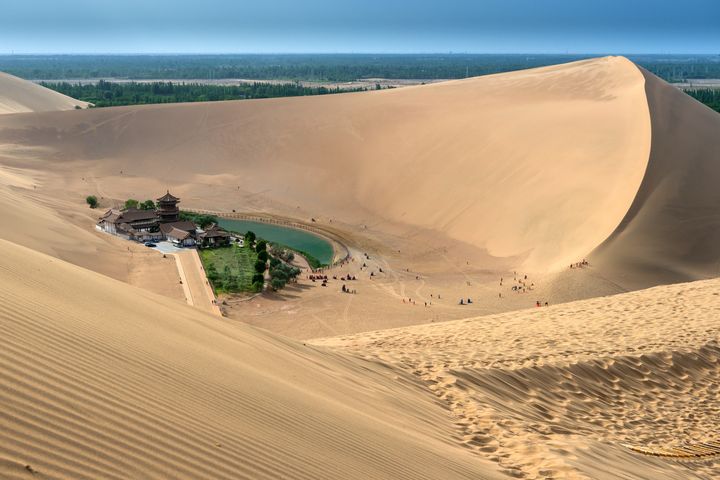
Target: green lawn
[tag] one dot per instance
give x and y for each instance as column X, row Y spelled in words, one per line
column 231, row 263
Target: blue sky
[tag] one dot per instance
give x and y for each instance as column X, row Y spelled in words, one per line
column 283, row 26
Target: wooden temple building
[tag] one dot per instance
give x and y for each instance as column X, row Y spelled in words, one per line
column 162, row 223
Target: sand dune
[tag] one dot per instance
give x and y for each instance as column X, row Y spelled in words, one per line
column 534, row 169
column 671, row 231
column 536, row 166
column 103, row 380
column 471, row 180
column 18, row 95
column 555, row 392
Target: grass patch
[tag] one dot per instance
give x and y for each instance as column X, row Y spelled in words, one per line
column 230, row 269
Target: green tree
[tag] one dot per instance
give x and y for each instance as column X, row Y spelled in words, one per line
column 249, row 239
column 263, row 255
column 147, row 205
column 260, row 266
column 205, row 220
column 258, row 277
column 261, row 246
column 92, row 201
column 277, row 283
column 258, row 286
column 131, row 203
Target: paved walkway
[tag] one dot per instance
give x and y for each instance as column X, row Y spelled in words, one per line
column 197, row 290
column 167, row 247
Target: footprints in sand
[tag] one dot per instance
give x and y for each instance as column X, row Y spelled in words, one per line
column 526, row 388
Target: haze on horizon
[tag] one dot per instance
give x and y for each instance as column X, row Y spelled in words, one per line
column 322, row 26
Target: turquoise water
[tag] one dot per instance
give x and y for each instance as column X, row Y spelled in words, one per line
column 300, row 240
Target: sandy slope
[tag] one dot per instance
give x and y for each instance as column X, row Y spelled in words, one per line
column 18, row 95
column 535, row 168
column 554, row 392
column 50, row 223
column 671, row 231
column 449, row 186
column 470, row 179
column 103, row 380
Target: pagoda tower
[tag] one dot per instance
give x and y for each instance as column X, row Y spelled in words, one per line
column 167, row 209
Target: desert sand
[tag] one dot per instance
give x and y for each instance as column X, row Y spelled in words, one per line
column 557, row 392
column 457, row 183
column 18, row 95
column 104, row 380
column 440, row 191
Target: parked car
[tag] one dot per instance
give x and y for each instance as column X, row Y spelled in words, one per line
column 150, row 244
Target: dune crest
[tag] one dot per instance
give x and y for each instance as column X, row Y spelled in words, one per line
column 671, row 231
column 19, row 96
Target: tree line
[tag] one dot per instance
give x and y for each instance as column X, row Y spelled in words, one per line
column 112, row 94
column 324, row 67
column 708, row 96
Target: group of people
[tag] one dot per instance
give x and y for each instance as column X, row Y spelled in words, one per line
column 346, row 278
column 319, row 278
column 582, row 264
column 410, row 301
column 347, row 290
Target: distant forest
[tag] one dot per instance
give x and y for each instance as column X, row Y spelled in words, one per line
column 710, row 97
column 322, row 67
column 291, row 69
column 111, row 94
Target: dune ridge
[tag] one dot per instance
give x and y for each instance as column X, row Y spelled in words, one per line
column 18, row 95
column 671, row 231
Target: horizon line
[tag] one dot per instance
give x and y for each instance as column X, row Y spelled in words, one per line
column 14, row 53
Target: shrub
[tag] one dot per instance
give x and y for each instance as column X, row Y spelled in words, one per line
column 212, row 273
column 258, row 286
column 258, row 277
column 281, row 273
column 92, row 201
column 277, row 283
column 131, row 203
